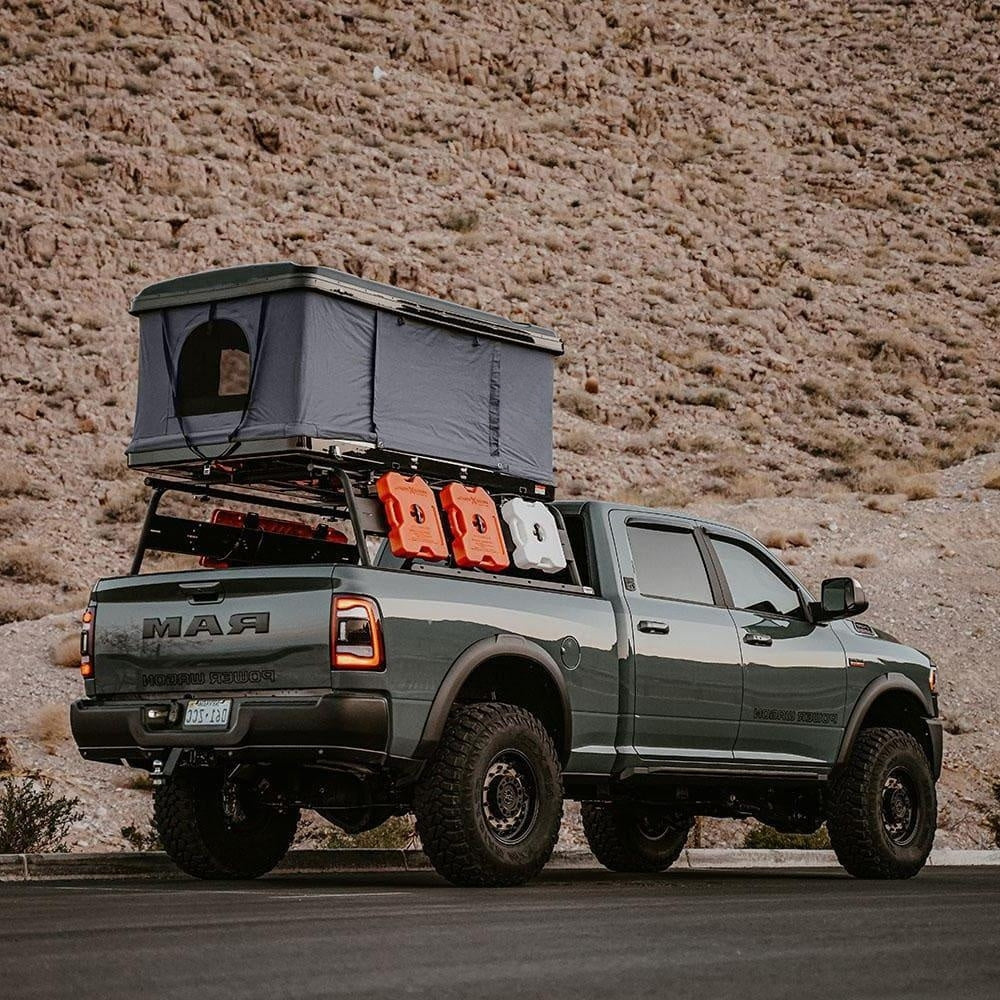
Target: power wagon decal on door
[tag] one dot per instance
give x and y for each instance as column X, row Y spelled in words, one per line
column 170, row 628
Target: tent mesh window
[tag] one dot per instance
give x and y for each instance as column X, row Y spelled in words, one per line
column 213, row 375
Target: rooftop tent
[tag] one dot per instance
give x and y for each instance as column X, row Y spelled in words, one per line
column 239, row 361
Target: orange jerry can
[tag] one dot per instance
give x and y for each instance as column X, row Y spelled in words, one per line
column 476, row 535
column 415, row 530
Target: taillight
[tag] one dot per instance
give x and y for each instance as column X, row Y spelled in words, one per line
column 355, row 634
column 87, row 642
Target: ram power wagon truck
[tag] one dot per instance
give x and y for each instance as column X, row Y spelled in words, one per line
column 681, row 671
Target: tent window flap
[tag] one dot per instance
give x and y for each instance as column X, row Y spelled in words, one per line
column 213, row 372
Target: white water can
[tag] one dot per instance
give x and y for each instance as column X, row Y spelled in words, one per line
column 535, row 535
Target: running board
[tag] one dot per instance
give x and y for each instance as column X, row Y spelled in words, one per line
column 720, row 772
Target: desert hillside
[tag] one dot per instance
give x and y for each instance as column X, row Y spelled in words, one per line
column 769, row 234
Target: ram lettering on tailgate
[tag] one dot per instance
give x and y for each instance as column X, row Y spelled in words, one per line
column 172, row 627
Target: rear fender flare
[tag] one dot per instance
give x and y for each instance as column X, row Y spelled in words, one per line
column 460, row 671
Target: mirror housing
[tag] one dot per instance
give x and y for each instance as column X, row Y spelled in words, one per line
column 842, row 597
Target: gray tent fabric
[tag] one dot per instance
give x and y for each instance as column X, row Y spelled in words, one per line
column 437, row 408
column 324, row 366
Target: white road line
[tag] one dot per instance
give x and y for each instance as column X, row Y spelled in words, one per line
column 262, row 892
column 340, row 895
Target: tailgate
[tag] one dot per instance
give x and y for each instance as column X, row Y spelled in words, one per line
column 253, row 629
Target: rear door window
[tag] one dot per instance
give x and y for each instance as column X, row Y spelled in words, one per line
column 668, row 564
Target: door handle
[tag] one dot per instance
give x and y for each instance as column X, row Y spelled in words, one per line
column 757, row 639
column 654, row 628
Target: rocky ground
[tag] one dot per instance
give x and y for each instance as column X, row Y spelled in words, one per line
column 767, row 232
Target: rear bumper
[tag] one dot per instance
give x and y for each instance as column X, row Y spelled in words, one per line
column 347, row 728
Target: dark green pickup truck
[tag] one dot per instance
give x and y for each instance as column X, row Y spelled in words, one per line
column 685, row 672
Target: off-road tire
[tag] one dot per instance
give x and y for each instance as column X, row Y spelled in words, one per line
column 449, row 800
column 189, row 816
column 618, row 834
column 856, row 807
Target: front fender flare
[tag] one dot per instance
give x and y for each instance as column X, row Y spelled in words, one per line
column 867, row 698
column 460, row 671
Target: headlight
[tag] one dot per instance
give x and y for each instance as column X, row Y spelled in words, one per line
column 932, row 679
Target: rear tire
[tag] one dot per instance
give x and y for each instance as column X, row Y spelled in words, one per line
column 627, row 837
column 217, row 829
column 883, row 806
column 489, row 803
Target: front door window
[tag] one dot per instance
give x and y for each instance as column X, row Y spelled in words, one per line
column 754, row 584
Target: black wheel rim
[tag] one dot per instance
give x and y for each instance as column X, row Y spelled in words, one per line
column 654, row 826
column 510, row 797
column 900, row 807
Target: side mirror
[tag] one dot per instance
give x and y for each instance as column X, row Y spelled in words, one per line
column 842, row 597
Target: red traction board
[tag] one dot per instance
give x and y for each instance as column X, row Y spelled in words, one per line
column 273, row 526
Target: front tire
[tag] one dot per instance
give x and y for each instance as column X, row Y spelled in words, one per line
column 489, row 803
column 883, row 807
column 214, row 828
column 628, row 837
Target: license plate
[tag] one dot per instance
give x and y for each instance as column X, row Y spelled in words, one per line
column 207, row 713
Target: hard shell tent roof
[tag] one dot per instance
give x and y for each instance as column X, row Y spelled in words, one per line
column 236, row 360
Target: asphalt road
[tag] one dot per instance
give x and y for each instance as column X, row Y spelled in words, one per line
column 801, row 935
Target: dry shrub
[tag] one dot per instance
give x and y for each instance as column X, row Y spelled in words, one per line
column 659, row 498
column 140, row 839
column 136, row 780
column 888, row 350
column 14, row 610
column 719, row 399
column 883, row 505
column 123, row 503
column 51, row 727
column 896, row 478
column 955, row 722
column 168, row 562
column 787, row 540
column 16, row 513
column 397, row 832
column 743, row 486
column 993, row 815
column 7, row 763
column 579, row 402
column 767, row 838
column 580, row 442
column 33, row 819
column 920, row 488
column 29, row 563
column 461, row 220
column 859, row 560
column 110, row 464
column 16, row 482
column 592, row 386
column 992, row 480
column 66, row 652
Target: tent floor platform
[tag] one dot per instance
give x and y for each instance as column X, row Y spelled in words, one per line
column 306, row 467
